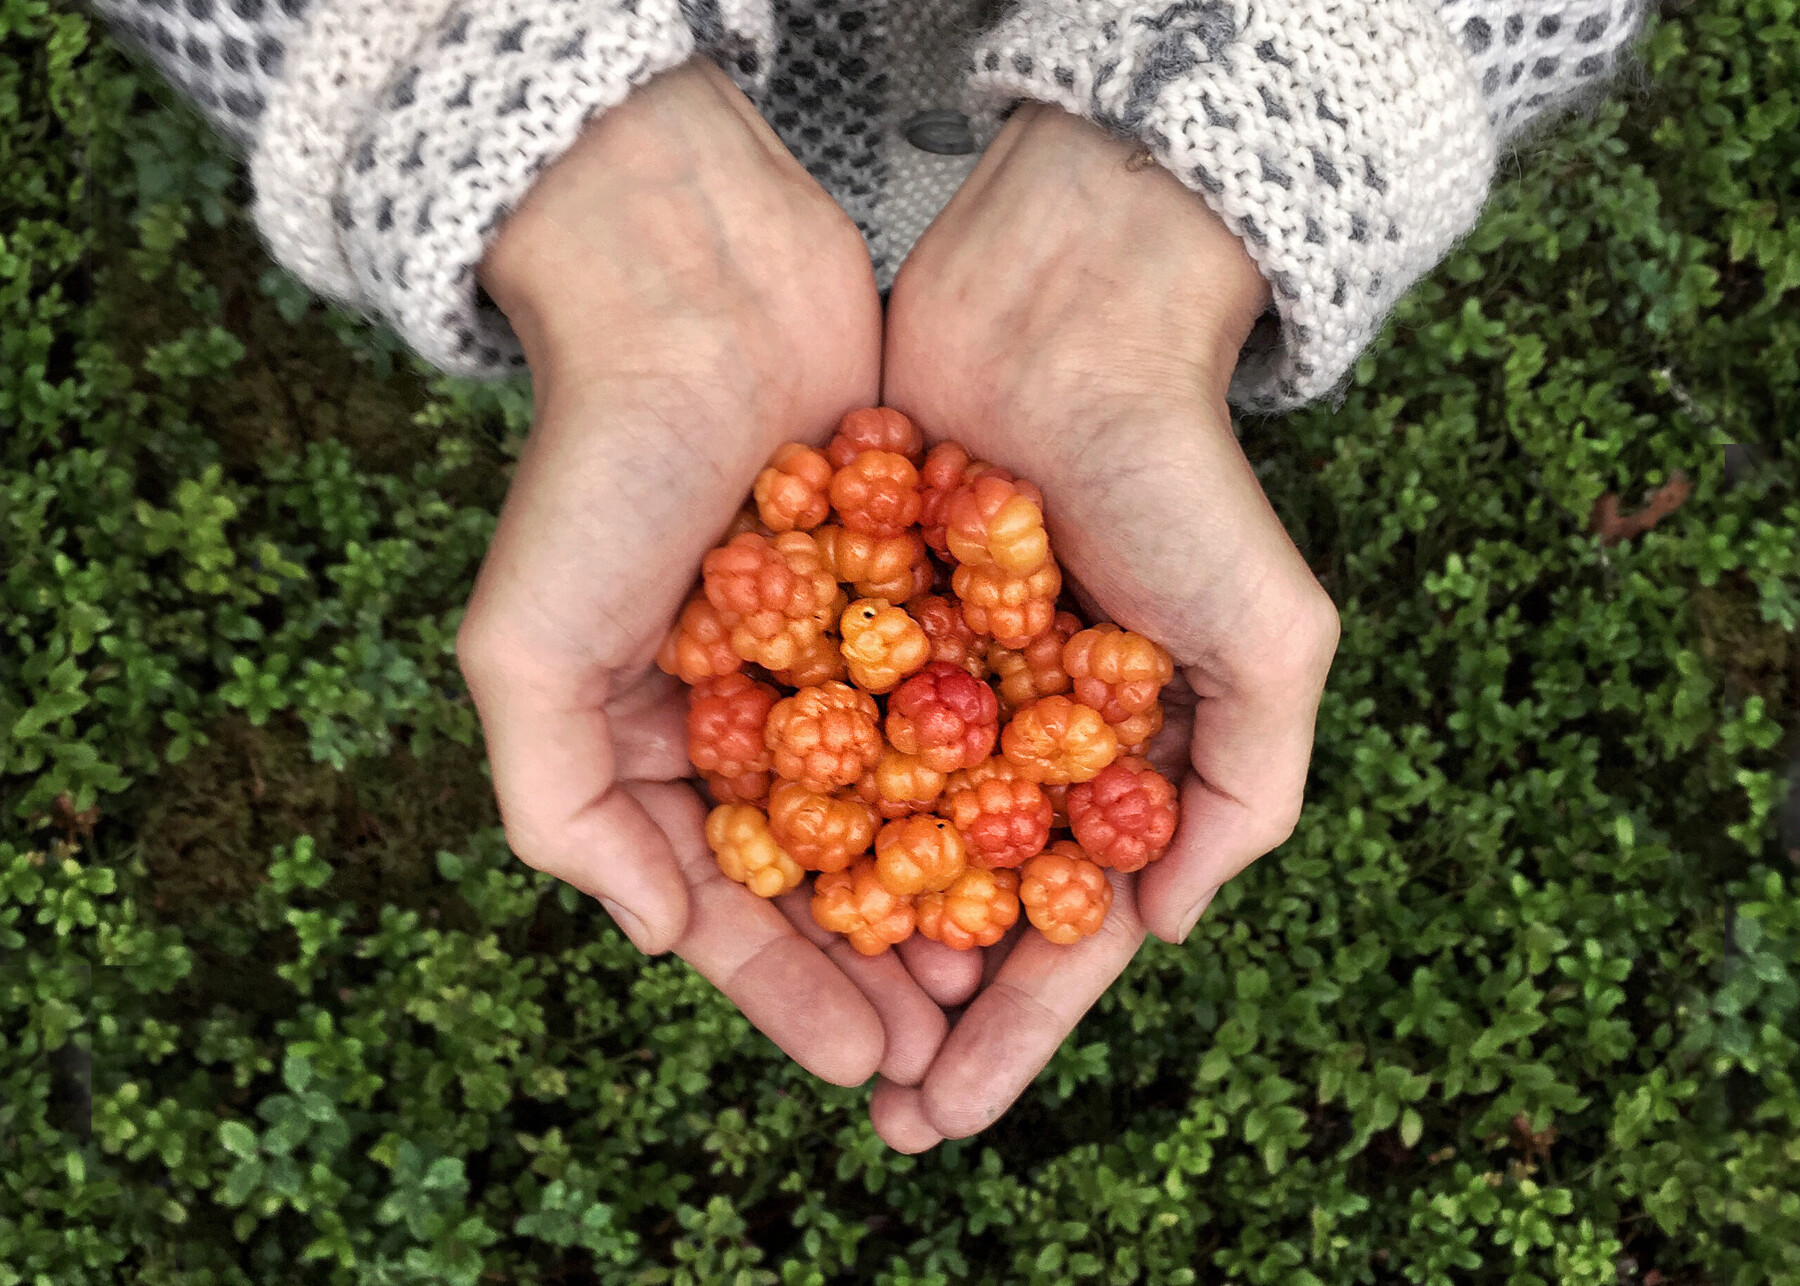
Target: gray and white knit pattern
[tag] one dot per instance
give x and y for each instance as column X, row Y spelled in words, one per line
column 223, row 54
column 1349, row 142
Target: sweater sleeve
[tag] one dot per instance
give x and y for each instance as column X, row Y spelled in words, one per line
column 1349, row 143
column 388, row 139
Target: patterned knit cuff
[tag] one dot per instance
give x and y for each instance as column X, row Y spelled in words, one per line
column 387, row 164
column 1346, row 143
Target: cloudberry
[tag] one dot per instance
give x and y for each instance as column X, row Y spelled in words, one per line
column 874, row 428
column 793, row 492
column 975, row 911
column 877, row 493
column 747, row 788
column 1065, row 895
column 993, row 768
column 699, row 647
column 994, row 520
column 725, row 725
column 820, row 832
column 739, row 837
column 1035, row 670
column 1012, row 610
column 1059, row 741
column 1125, row 817
column 919, row 854
column 1137, row 730
column 818, row 662
column 878, row 566
column 882, row 644
column 1118, row 673
column 774, row 593
column 900, row 784
column 853, row 902
column 824, row 737
column 951, row 638
column 1058, row 795
column 1002, row 821
column 940, row 476
column 945, row 716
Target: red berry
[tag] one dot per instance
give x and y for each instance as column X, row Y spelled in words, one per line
column 725, row 725
column 1004, row 820
column 699, row 647
column 874, row 428
column 1125, row 817
column 945, row 716
column 951, row 638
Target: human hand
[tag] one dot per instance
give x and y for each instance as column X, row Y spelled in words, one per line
column 1077, row 319
column 688, row 298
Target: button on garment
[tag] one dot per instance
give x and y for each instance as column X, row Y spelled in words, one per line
column 942, row 132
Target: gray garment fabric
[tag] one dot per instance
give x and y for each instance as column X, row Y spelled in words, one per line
column 1349, row 143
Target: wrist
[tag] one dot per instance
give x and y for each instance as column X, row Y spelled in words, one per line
column 1121, row 203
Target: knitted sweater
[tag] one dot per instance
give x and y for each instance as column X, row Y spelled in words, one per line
column 1349, row 143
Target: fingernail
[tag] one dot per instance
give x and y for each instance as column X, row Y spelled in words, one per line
column 1193, row 917
column 629, row 924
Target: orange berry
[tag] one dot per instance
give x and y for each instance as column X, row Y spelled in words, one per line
column 1003, row 821
column 774, row 593
column 1059, row 741
column 820, row 832
column 818, row 661
column 1125, row 817
column 746, row 788
column 919, row 854
column 951, row 638
column 825, row 736
column 901, row 784
column 792, row 492
column 993, row 768
column 739, row 837
column 874, row 428
column 994, row 520
column 877, row 493
column 1065, row 895
column 1115, row 671
column 975, row 911
column 1012, row 610
column 877, row 566
column 943, row 472
column 1137, row 730
column 854, row 902
column 699, row 647
column 1035, row 670
column 725, row 725
column 944, row 715
column 882, row 644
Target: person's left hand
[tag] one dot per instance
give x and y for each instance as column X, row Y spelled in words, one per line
column 1077, row 320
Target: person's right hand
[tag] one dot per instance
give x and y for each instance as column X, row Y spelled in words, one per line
column 688, row 299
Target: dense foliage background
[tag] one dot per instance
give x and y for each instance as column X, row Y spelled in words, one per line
column 1519, row 1002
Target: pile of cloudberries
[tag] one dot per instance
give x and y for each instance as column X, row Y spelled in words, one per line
column 884, row 691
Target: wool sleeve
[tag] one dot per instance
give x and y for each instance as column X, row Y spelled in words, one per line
column 388, row 139
column 1349, row 143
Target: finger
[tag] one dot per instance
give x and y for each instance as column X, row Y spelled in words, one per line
column 1014, row 1025
column 551, row 750
column 948, row 976
column 898, row 1114
column 648, row 722
column 913, row 1026
column 1252, row 741
column 746, row 947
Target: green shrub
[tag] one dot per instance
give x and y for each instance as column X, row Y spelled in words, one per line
column 1519, row 1002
